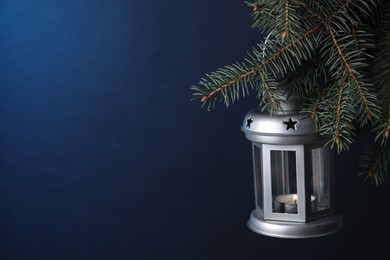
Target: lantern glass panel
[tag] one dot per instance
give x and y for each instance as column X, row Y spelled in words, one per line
column 258, row 175
column 321, row 180
column 284, row 181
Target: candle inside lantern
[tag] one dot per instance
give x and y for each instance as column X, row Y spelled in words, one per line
column 286, row 203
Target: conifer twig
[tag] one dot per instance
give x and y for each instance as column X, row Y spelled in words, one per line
column 285, row 33
column 338, row 114
column 257, row 6
column 352, row 75
column 205, row 98
column 275, row 105
column 313, row 114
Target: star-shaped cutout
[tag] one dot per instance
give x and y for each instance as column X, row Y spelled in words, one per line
column 290, row 124
column 249, row 122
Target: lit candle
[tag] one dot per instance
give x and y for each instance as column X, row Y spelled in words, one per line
column 286, row 203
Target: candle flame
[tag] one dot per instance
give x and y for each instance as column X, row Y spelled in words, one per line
column 295, row 198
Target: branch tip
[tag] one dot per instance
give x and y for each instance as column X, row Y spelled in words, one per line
column 284, row 35
column 337, row 139
column 257, row 6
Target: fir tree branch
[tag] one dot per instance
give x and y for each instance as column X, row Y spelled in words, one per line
column 313, row 114
column 292, row 43
column 285, row 33
column 355, row 38
column 313, row 14
column 228, row 84
column 338, row 115
column 306, row 80
column 260, row 66
column 351, row 73
column 275, row 105
column 341, row 9
column 375, row 163
column 261, row 7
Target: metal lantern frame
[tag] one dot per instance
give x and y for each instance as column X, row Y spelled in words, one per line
column 293, row 175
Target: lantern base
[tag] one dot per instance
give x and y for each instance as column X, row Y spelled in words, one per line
column 285, row 229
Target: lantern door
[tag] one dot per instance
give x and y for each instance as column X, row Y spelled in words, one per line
column 284, row 182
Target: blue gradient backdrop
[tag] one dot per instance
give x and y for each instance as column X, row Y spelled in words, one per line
column 103, row 156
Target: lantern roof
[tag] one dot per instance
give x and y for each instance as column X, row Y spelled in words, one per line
column 286, row 126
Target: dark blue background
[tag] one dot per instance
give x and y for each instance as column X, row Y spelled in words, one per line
column 103, row 156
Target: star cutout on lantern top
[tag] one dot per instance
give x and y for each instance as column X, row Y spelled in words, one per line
column 290, row 124
column 249, row 122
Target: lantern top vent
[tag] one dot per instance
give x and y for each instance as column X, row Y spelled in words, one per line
column 284, row 126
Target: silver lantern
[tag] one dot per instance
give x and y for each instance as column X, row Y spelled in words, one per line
column 293, row 175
